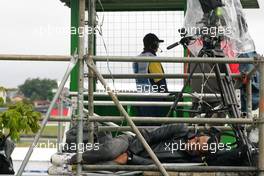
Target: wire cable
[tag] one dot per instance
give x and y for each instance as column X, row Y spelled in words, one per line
column 100, row 31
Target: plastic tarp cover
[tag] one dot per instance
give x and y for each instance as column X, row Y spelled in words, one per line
column 229, row 22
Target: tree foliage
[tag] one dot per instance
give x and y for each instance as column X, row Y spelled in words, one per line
column 1, row 102
column 19, row 118
column 38, row 89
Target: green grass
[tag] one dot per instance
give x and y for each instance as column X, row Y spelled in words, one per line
column 48, row 131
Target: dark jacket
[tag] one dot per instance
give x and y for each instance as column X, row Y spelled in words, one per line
column 160, row 140
column 157, row 84
column 164, row 141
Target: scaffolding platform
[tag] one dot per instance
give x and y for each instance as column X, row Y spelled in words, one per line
column 83, row 105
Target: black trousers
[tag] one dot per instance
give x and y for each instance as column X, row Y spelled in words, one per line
column 111, row 149
column 108, row 151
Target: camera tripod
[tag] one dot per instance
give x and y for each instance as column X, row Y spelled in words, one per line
column 228, row 103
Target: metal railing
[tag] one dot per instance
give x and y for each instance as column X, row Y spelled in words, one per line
column 95, row 73
column 177, row 120
column 9, row 57
column 90, row 116
column 47, row 116
column 212, row 60
column 257, row 121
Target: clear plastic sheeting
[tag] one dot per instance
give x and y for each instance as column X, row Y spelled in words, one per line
column 227, row 21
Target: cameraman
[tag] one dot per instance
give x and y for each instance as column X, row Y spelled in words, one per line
column 151, row 46
column 146, row 85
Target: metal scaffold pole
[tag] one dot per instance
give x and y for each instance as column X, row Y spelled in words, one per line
column 47, row 116
column 89, row 59
column 207, row 169
column 20, row 57
column 168, row 120
column 60, row 124
column 80, row 85
column 163, row 120
column 249, row 98
column 261, row 120
column 130, row 122
column 176, row 59
column 85, row 104
column 168, row 76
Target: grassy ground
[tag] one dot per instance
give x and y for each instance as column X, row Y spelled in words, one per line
column 50, row 130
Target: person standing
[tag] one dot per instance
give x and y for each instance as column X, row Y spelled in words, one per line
column 151, row 46
column 150, row 85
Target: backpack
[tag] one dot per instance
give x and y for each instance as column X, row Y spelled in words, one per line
column 6, row 164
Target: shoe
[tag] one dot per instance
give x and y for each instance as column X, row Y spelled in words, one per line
column 60, row 159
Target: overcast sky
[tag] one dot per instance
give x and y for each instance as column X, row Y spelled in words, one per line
column 38, row 27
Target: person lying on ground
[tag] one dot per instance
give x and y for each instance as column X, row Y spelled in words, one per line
column 171, row 143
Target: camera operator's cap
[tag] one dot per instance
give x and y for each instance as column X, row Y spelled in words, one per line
column 150, row 38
